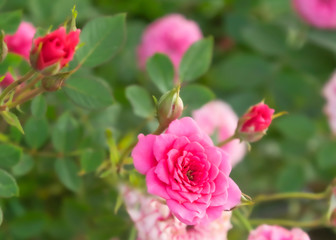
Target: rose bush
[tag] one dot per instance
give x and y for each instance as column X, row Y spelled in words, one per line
column 184, row 167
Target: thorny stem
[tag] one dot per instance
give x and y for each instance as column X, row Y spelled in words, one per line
column 24, row 98
column 29, row 85
column 297, row 195
column 242, row 219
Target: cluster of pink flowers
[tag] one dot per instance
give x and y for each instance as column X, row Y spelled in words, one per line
column 154, row 221
column 171, row 35
column 329, row 92
column 318, row 13
column 267, row 232
column 218, row 119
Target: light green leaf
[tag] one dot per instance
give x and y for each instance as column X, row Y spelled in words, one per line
column 67, row 172
column 196, row 61
column 325, row 39
column 36, row 132
column 103, row 37
column 8, row 185
column 140, row 100
column 10, row 21
column 161, row 72
column 194, row 96
column 13, row 120
column 89, row 93
column 90, row 160
column 39, row 106
column 327, row 155
column 65, row 133
column 24, row 165
column 9, row 155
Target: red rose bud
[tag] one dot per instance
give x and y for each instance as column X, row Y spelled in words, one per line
column 252, row 126
column 169, row 107
column 53, row 51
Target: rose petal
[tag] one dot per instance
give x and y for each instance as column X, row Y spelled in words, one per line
column 142, row 154
column 155, row 186
column 162, row 145
column 182, row 213
column 234, row 195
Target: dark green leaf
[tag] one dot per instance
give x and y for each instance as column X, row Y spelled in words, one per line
column 9, row 155
column 67, row 171
column 39, row 106
column 8, row 185
column 196, row 61
column 194, row 96
column 291, row 178
column 90, row 160
column 326, row 157
column 1, row 216
column 326, row 39
column 141, row 101
column 36, row 132
column 10, row 21
column 24, row 166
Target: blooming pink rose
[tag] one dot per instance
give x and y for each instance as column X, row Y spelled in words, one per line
column 154, row 221
column 267, row 232
column 171, row 35
column 57, row 47
column 184, row 167
column 255, row 122
column 7, row 80
column 218, row 119
column 21, row 42
column 318, row 13
column 329, row 92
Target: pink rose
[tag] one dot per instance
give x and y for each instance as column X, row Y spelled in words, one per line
column 184, row 167
column 171, row 35
column 154, row 221
column 8, row 80
column 21, row 42
column 218, row 119
column 57, row 47
column 329, row 92
column 255, row 122
column 267, row 232
column 318, row 13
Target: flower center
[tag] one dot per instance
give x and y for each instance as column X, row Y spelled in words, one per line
column 189, row 175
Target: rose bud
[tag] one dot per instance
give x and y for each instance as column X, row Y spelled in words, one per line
column 53, row 51
column 252, row 126
column 21, row 41
column 169, row 107
column 7, row 80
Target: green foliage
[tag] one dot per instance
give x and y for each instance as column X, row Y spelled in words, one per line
column 36, row 132
column 90, row 160
column 67, row 171
column 39, row 106
column 9, row 155
column 10, row 21
column 8, row 185
column 141, row 101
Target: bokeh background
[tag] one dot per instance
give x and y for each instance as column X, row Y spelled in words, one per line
column 262, row 51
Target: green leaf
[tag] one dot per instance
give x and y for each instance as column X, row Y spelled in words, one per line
column 39, row 106
column 8, row 185
column 67, row 172
column 291, row 178
column 10, row 21
column 296, row 127
column 90, row 160
column 9, row 155
column 327, row 155
column 65, row 133
column 161, row 72
column 13, row 120
column 89, row 93
column 36, row 132
column 196, row 61
column 103, row 37
column 1, row 216
column 23, row 166
column 11, row 61
column 195, row 96
column 325, row 39
column 141, row 101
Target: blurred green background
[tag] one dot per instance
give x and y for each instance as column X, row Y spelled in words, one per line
column 262, row 51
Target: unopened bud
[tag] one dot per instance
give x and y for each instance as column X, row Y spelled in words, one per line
column 252, row 126
column 169, row 107
column 55, row 82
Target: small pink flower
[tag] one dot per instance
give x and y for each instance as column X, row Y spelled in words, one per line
column 255, row 122
column 21, row 42
column 318, row 13
column 154, row 221
column 329, row 92
column 217, row 118
column 184, row 167
column 171, row 35
column 57, row 47
column 267, row 232
column 8, row 80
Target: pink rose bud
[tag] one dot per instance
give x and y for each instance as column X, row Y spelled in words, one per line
column 218, row 119
column 21, row 42
column 8, row 80
column 53, row 51
column 184, row 167
column 171, row 35
column 318, row 13
column 252, row 126
column 267, row 232
column 169, row 107
column 329, row 93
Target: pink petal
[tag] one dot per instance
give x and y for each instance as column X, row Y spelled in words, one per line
column 155, row 186
column 162, row 171
column 182, row 213
column 234, row 195
column 225, row 165
column 142, row 154
column 162, row 145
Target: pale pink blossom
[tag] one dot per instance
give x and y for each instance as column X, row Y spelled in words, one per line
column 21, row 42
column 318, row 13
column 8, row 80
column 267, row 232
column 184, row 167
column 154, row 221
column 219, row 120
column 329, row 92
column 171, row 35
